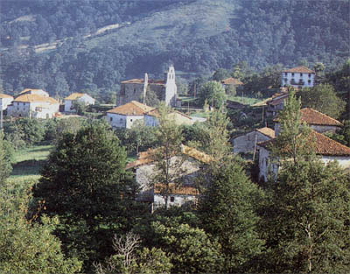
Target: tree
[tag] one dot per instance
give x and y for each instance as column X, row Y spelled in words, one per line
column 85, row 184
column 166, row 156
column 131, row 259
column 220, row 74
column 294, row 140
column 227, row 211
column 5, row 164
column 25, row 246
column 322, row 98
column 307, row 220
column 214, row 93
column 190, row 249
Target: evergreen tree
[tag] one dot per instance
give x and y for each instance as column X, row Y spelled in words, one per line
column 85, row 184
column 307, row 221
column 5, row 165
column 227, row 211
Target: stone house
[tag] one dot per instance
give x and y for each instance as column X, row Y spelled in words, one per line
column 316, row 120
column 326, row 149
column 136, row 89
column 152, row 118
column 5, row 100
column 125, row 116
column 33, row 105
column 298, row 77
column 247, row 143
column 150, row 191
column 77, row 97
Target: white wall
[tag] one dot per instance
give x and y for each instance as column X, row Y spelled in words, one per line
column 68, row 106
column 170, row 88
column 151, row 121
column 4, row 102
column 344, row 161
column 305, row 77
column 35, row 109
column 173, row 200
column 123, row 121
column 87, row 99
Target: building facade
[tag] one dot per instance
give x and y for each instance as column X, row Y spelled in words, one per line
column 298, row 77
column 69, row 102
column 136, row 89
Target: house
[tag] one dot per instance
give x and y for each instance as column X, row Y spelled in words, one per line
column 231, row 82
column 136, row 89
column 33, row 105
column 34, row 91
column 276, row 103
column 152, row 118
column 5, row 100
column 298, row 77
column 125, row 116
column 146, row 171
column 316, row 120
column 71, row 100
column 326, row 148
column 247, row 143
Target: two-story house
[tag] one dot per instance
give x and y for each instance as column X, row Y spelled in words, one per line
column 298, row 77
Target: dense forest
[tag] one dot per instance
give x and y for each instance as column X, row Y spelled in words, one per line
column 84, row 58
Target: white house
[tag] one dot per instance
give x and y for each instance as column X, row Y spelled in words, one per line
column 248, row 142
column 34, row 91
column 326, row 148
column 145, row 170
column 152, row 118
column 77, row 97
column 125, row 116
column 33, row 105
column 298, row 77
column 136, row 89
column 5, row 100
column 316, row 120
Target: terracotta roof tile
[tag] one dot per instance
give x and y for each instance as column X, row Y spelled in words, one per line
column 174, row 189
column 2, row 95
column 231, row 81
column 132, row 108
column 267, row 131
column 314, row 117
column 301, row 69
column 133, row 81
column 146, row 157
column 35, row 98
column 74, row 96
column 324, row 146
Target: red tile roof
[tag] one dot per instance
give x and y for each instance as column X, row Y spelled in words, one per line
column 324, row 146
column 146, row 157
column 35, row 98
column 2, row 95
column 133, row 108
column 301, row 69
column 231, row 81
column 314, row 117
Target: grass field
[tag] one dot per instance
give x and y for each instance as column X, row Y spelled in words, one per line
column 28, row 162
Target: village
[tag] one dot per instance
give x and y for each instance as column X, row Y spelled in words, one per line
column 130, row 113
column 161, row 164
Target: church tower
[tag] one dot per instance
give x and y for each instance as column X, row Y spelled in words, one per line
column 170, row 87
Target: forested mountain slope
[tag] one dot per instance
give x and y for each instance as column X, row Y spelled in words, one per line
column 197, row 36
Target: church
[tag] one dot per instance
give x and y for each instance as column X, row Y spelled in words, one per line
column 136, row 89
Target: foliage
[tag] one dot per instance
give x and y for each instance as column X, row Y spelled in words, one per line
column 5, row 164
column 294, row 140
column 190, row 249
column 85, row 184
column 307, row 219
column 227, row 211
column 130, row 259
column 220, row 74
column 25, row 246
column 214, row 93
column 322, row 98
column 170, row 138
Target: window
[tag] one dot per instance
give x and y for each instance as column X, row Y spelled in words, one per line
column 38, row 109
column 292, row 73
column 309, row 75
column 301, row 75
column 172, row 199
column 130, row 120
column 285, row 74
column 111, row 119
column 309, row 81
